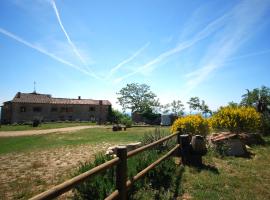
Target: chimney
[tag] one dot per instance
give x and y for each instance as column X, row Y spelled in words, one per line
column 79, row 97
column 19, row 95
column 100, row 102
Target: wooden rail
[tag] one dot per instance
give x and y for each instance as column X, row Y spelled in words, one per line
column 122, row 184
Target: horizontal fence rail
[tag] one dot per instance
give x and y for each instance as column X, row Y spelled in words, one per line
column 122, row 184
column 69, row 184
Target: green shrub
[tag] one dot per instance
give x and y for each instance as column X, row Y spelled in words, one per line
column 102, row 185
column 99, row 186
column 126, row 120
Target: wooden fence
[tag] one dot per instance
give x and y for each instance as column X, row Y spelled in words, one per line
column 122, row 184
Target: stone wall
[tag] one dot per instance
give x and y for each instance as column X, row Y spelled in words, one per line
column 25, row 112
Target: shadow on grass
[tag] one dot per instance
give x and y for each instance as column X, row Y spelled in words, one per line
column 203, row 167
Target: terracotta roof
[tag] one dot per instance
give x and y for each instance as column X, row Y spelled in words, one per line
column 48, row 99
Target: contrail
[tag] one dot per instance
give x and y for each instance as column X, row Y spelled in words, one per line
column 74, row 48
column 18, row 39
column 114, row 69
column 210, row 28
column 235, row 58
column 233, row 36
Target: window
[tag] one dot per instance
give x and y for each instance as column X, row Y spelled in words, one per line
column 91, row 108
column 37, row 109
column 63, row 109
column 22, row 109
column 54, row 109
column 69, row 118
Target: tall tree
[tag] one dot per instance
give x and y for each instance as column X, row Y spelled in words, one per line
column 259, row 98
column 177, row 108
column 194, row 103
column 137, row 97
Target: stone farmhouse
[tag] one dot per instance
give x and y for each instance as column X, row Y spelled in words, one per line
column 26, row 107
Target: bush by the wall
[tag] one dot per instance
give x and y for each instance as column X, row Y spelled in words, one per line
column 191, row 124
column 236, row 119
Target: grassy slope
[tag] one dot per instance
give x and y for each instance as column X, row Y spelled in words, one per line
column 232, row 178
column 86, row 136
column 43, row 126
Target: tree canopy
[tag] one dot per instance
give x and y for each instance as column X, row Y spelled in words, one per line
column 258, row 98
column 137, row 97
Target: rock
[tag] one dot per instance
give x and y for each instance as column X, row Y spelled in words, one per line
column 228, row 144
column 235, row 147
column 112, row 150
column 251, row 138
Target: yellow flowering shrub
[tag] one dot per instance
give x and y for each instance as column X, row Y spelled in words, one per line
column 236, row 119
column 191, row 124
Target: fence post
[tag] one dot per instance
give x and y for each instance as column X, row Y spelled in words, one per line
column 185, row 148
column 121, row 172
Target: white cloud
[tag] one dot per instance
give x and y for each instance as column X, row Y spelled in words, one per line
column 245, row 19
column 153, row 64
column 127, row 60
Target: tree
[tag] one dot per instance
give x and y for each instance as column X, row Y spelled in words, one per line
column 194, row 103
column 177, row 108
column 137, row 97
column 233, row 104
column 258, row 98
column 165, row 109
column 205, row 109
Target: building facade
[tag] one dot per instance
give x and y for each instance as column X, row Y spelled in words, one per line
column 26, row 107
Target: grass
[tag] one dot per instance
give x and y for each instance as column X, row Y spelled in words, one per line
column 229, row 177
column 50, row 125
column 86, row 136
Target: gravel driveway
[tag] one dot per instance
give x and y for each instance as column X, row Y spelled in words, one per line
column 39, row 132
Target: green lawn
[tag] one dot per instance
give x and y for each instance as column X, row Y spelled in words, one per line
column 229, row 177
column 86, row 136
column 44, row 126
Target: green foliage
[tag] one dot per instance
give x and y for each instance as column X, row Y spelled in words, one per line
column 137, row 97
column 100, row 186
column 194, row 103
column 258, row 98
column 149, row 114
column 126, row 120
column 120, row 118
column 236, row 119
column 177, row 108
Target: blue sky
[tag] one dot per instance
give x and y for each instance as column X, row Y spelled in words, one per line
column 211, row 49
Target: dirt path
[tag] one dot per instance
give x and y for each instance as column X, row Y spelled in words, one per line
column 39, row 132
column 25, row 174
